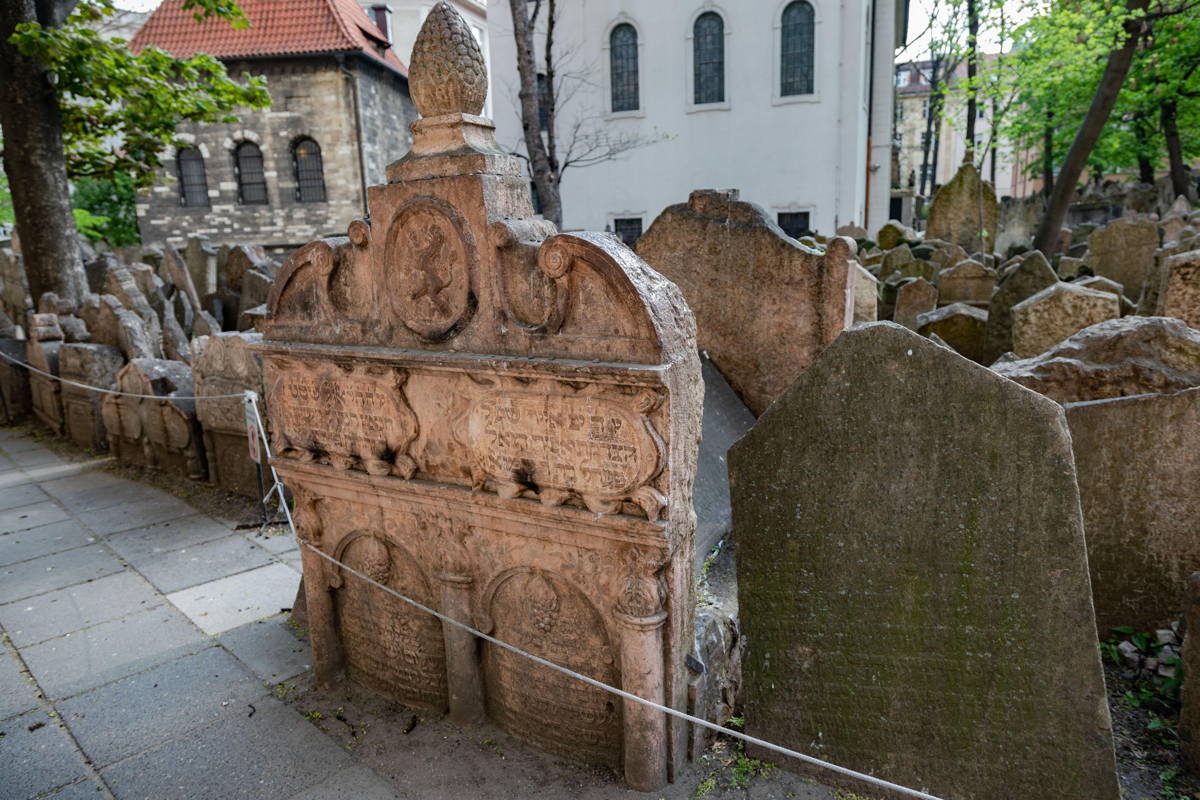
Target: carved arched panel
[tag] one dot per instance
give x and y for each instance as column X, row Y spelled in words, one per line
column 389, row 646
column 541, row 613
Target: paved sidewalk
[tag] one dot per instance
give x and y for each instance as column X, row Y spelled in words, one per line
column 141, row 642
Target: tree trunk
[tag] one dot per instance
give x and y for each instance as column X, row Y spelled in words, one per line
column 935, row 110
column 972, row 71
column 927, row 139
column 1115, row 70
column 1048, row 155
column 1142, row 135
column 35, row 163
column 1179, row 176
column 992, row 138
column 545, row 178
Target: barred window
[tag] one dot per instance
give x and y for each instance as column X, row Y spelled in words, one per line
column 794, row 223
column 252, row 183
column 193, row 181
column 796, row 52
column 310, row 172
column 623, row 61
column 628, row 229
column 708, row 54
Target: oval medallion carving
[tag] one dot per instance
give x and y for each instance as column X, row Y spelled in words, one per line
column 429, row 263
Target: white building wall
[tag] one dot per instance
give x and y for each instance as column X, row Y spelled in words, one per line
column 800, row 153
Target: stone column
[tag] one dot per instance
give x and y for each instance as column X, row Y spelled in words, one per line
column 464, row 680
column 640, row 614
column 319, row 581
column 1189, row 714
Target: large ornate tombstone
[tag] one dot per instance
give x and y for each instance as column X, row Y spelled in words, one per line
column 498, row 421
column 224, row 364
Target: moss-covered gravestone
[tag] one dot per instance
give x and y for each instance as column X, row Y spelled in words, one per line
column 965, row 211
column 914, row 589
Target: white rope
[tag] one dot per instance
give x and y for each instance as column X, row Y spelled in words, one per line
column 7, row 357
column 816, row 762
column 278, row 489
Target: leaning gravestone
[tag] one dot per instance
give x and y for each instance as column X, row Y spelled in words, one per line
column 1124, row 251
column 41, row 351
column 94, row 365
column 914, row 588
column 153, row 422
column 499, row 421
column 1138, row 473
column 765, row 304
column 1025, row 279
column 726, row 419
column 15, row 400
column 225, row 364
column 965, row 211
column 1179, row 293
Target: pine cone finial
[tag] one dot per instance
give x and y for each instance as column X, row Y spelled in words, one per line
column 447, row 74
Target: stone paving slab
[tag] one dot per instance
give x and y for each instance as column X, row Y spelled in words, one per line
column 269, row 648
column 16, row 690
column 361, row 783
column 51, row 572
column 202, row 563
column 42, row 541
column 111, row 650
column 36, row 761
column 140, row 712
column 22, row 495
column 84, row 790
column 94, row 491
column 36, row 619
column 126, row 516
column 272, row 755
column 152, row 541
column 277, row 544
column 228, row 603
column 31, row 516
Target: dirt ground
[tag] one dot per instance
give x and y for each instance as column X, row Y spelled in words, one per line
column 427, row 756
column 1147, row 761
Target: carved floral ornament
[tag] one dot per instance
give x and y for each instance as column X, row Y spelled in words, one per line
column 447, row 73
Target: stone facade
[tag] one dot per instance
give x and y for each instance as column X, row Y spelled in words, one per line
column 500, row 421
column 314, row 97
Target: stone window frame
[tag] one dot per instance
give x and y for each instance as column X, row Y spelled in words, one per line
column 778, row 32
column 201, row 187
column 690, row 54
column 794, row 208
column 613, row 217
column 240, row 148
column 610, row 57
column 299, row 192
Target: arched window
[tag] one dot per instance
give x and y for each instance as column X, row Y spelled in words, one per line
column 252, row 183
column 193, row 181
column 623, row 63
column 796, row 49
column 310, row 173
column 708, row 45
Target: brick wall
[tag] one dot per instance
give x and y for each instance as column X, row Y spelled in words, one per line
column 310, row 97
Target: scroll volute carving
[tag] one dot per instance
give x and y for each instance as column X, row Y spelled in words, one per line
column 642, row 592
column 534, row 291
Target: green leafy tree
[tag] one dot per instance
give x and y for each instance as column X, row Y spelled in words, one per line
column 75, row 103
column 114, row 201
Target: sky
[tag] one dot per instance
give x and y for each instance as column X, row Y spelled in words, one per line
column 918, row 27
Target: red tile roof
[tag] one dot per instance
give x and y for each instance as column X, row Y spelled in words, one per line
column 277, row 28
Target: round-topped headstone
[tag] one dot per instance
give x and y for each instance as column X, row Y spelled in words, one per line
column 447, row 74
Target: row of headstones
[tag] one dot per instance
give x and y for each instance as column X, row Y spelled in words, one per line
column 987, row 310
column 767, row 307
column 921, row 592
column 146, row 331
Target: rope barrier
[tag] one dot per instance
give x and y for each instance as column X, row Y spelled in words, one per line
column 251, row 400
column 31, row 368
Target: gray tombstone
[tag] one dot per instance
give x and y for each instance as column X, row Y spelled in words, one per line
column 1138, row 473
column 726, row 419
column 914, row 588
